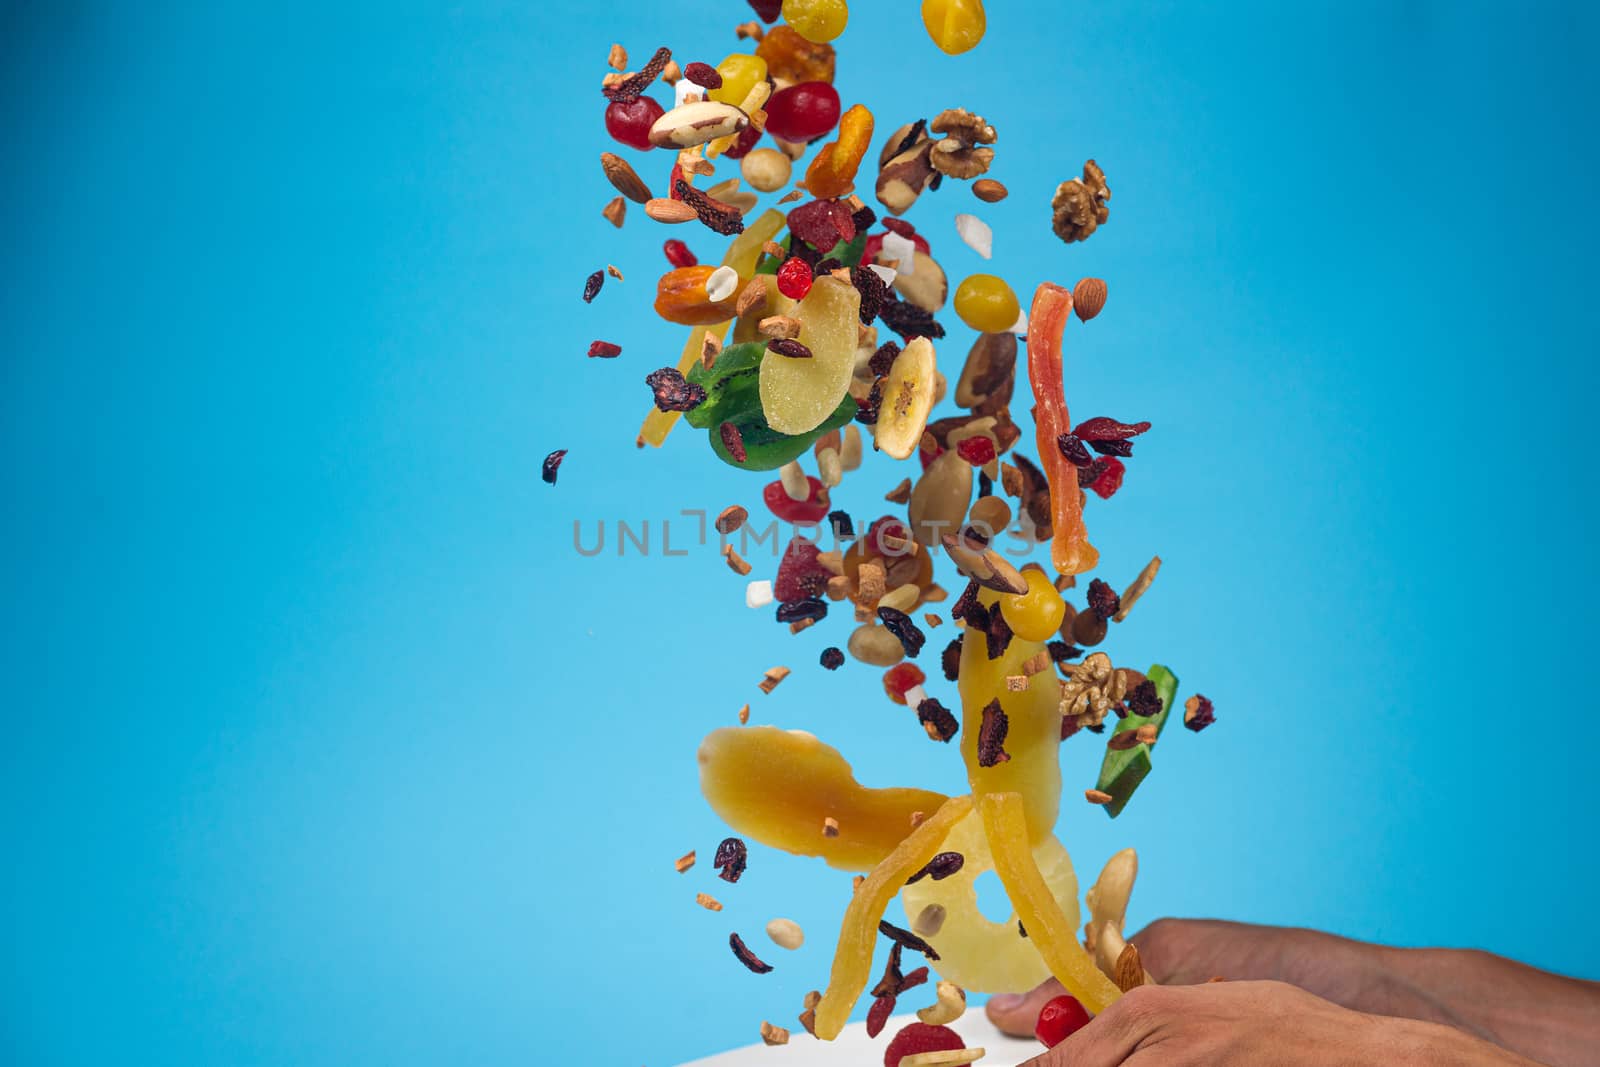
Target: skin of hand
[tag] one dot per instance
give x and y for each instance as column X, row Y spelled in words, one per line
column 1553, row 1019
column 1259, row 1024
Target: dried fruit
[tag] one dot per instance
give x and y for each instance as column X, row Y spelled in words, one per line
column 1198, row 713
column 629, row 121
column 907, row 398
column 731, row 859
column 832, row 173
column 798, row 395
column 552, row 464
column 900, row 678
column 816, row 20
column 742, row 953
column 1059, row 1019
column 794, row 278
column 803, row 112
column 682, row 297
column 956, row 26
column 916, row 1039
column 672, row 392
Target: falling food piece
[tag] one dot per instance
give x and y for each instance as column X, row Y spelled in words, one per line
column 742, row 953
column 1088, row 298
column 708, row 902
column 738, row 565
column 773, row 1035
column 774, row 675
column 976, row 234
column 684, row 862
column 552, row 465
column 615, row 211
column 744, row 714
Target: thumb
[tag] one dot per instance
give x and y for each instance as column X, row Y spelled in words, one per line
column 1016, row 1013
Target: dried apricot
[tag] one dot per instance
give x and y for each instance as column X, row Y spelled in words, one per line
column 791, row 58
column 681, row 297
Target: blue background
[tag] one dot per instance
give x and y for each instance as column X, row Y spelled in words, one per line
column 307, row 695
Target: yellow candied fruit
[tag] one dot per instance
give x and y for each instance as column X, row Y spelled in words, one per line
column 833, row 172
column 740, row 72
column 817, row 20
column 791, row 59
column 987, row 304
column 1035, row 615
column 956, row 26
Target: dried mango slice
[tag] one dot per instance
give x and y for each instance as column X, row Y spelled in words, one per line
column 743, row 251
column 1052, row 932
column 777, row 786
column 976, row 954
column 833, row 171
column 858, row 934
column 798, row 394
column 1070, row 549
column 1033, row 721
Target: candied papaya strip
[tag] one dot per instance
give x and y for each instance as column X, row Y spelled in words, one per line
column 742, row 254
column 777, row 786
column 1052, row 933
column 1070, row 550
column 1029, row 760
column 858, row 934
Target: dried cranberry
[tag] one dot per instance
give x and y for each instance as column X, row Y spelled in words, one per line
column 1108, row 476
column 878, row 1014
column 704, row 75
column 874, row 245
column 678, row 254
column 813, row 508
column 629, row 121
column 1103, row 600
column 800, row 574
column 918, row 1038
column 1059, row 1020
column 901, row 677
column 803, row 112
column 1101, row 428
column 744, row 143
column 767, row 10
column 822, row 224
column 794, row 278
column 976, row 450
column 604, row 350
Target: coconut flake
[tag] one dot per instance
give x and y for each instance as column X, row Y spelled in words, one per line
column 903, row 249
column 977, row 234
column 1020, row 327
column 915, row 696
column 687, row 92
column 758, row 594
column 886, row 273
column 723, row 281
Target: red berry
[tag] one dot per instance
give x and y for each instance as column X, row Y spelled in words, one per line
column 899, row 678
column 928, row 457
column 672, row 182
column 747, row 140
column 813, row 508
column 878, row 1014
column 800, row 575
column 629, row 121
column 976, row 450
column 794, row 278
column 678, row 254
column 874, row 245
column 1059, row 1020
column 920, row 1037
column 803, row 112
column 1110, row 479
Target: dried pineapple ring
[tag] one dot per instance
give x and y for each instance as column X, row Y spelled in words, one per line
column 1033, row 717
column 797, row 395
column 975, row 953
column 907, row 397
column 777, row 786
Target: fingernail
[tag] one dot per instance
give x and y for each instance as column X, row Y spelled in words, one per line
column 1006, row 1001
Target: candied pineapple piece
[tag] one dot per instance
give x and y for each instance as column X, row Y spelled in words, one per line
column 777, row 786
column 798, row 394
column 858, row 934
column 1053, row 933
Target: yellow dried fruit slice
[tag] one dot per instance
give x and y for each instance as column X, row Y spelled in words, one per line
column 906, row 399
column 858, row 934
column 798, row 394
column 1052, row 932
column 975, row 953
column 777, row 786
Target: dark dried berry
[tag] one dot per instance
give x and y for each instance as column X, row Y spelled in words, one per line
column 704, row 75
column 883, row 359
column 900, row 226
column 730, row 860
column 912, row 980
column 604, row 350
column 742, row 953
column 826, row 266
column 938, row 721
column 1112, row 448
column 939, row 868
column 790, row 347
column 992, row 735
column 878, row 1015
column 867, row 410
column 1198, row 713
column 900, row 624
column 1144, row 700
column 864, row 217
column 842, row 526
column 908, row 320
column 767, row 10
column 1101, row 428
column 1073, row 448
column 1097, row 728
column 832, row 658
column 1060, row 651
column 673, row 392
column 592, row 284
column 985, row 485
column 719, row 217
column 997, row 633
column 873, row 289
column 906, row 938
column 889, row 984
column 733, row 441
column 1103, row 600
column 552, row 463
column 630, row 87
column 950, row 660
column 796, row 610
column 1087, row 475
column 964, row 604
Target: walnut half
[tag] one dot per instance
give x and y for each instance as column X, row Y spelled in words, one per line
column 1080, row 204
column 957, row 154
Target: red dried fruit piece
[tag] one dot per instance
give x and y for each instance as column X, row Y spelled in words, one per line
column 920, row 1037
column 885, row 530
column 629, row 121
column 901, row 677
column 813, row 508
column 803, row 112
column 678, row 254
column 1060, row 1019
column 1101, row 428
column 878, row 1014
column 746, row 141
column 794, row 278
column 976, row 450
column 823, row 223
column 1109, row 477
column 927, row 458
column 703, row 74
column 604, row 350
column 673, row 181
column 733, row 441
column 874, row 245
column 767, row 10
column 800, row 575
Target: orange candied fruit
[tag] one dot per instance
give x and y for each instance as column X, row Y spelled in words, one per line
column 833, row 172
column 681, row 297
column 901, row 677
column 793, row 59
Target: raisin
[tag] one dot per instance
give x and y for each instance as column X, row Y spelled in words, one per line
column 673, row 392
column 1103, row 600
